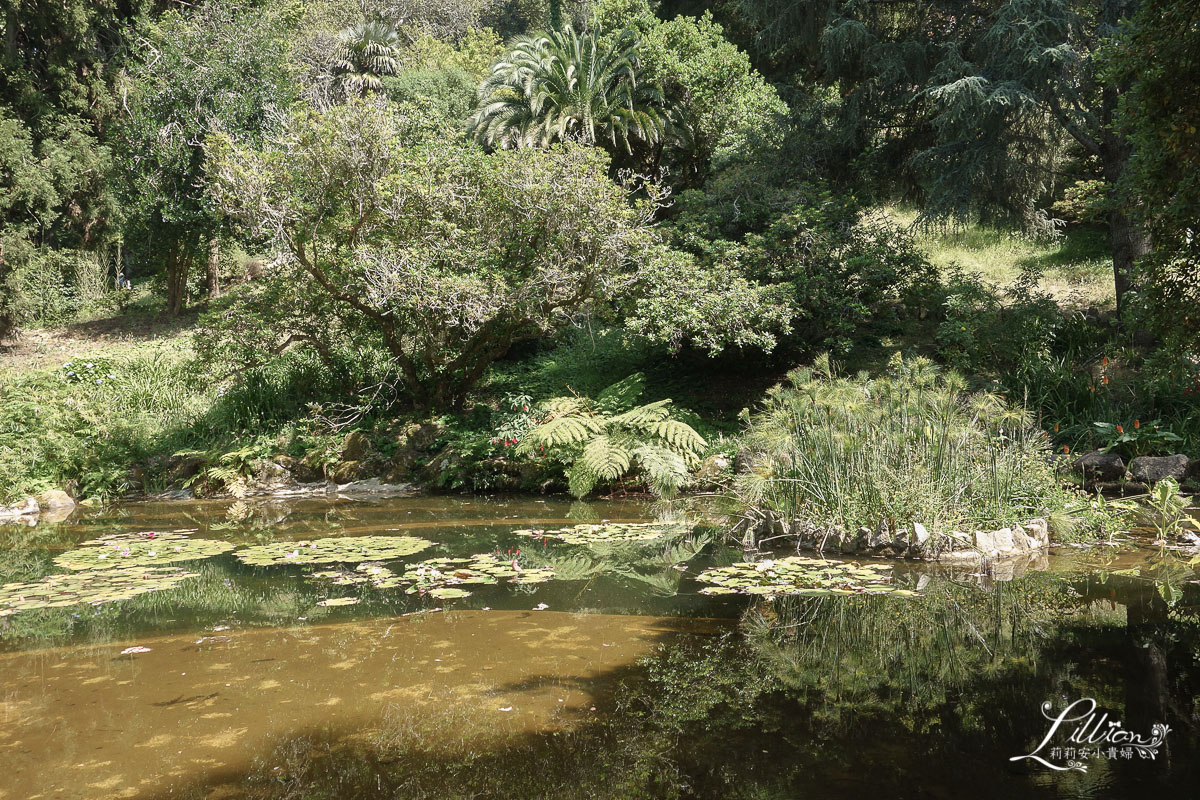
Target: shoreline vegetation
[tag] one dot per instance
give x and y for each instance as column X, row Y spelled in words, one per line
column 606, row 249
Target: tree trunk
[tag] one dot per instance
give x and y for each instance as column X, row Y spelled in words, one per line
column 213, row 273
column 1129, row 243
column 177, row 276
column 1128, row 238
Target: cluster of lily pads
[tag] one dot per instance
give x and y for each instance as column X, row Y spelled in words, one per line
column 347, row 549
column 146, row 549
column 94, row 586
column 796, row 575
column 369, row 574
column 609, row 532
column 442, row 577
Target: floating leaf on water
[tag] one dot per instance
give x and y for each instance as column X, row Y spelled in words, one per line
column 448, row 592
column 374, row 575
column 131, row 650
column 482, row 568
column 338, row 601
column 796, row 575
column 607, row 532
column 92, row 586
column 147, row 549
column 348, row 549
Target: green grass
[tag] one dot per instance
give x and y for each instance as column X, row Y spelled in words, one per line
column 1076, row 268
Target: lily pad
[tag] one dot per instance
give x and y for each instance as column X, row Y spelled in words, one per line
column 350, row 549
column 796, row 575
column 338, row 601
column 369, row 574
column 146, row 549
column 483, row 568
column 92, row 586
column 607, row 532
column 448, row 592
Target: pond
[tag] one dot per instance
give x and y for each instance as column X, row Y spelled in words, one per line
column 466, row 647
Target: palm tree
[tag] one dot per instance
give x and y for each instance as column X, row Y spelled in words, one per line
column 367, row 51
column 565, row 85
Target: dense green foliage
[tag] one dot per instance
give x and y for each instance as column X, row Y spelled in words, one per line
column 410, row 213
column 908, row 447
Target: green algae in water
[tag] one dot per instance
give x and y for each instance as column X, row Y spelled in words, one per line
column 147, row 549
column 607, row 532
column 438, row 576
column 800, row 576
column 350, row 549
column 92, row 586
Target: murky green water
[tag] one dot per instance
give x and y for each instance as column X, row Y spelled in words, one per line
column 615, row 678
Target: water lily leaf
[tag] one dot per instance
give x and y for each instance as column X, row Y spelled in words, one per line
column 91, row 586
column 338, row 601
column 146, row 549
column 349, row 549
column 447, row 592
column 482, row 568
column 610, row 532
column 797, row 575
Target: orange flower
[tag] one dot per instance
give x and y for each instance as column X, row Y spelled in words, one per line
column 1066, row 448
column 1137, row 423
column 1106, row 380
column 1120, row 429
column 1104, row 361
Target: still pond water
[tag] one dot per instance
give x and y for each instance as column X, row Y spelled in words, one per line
column 616, row 677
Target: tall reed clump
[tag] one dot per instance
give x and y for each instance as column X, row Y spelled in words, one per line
column 911, row 446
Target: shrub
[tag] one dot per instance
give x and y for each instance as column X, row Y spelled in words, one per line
column 911, row 446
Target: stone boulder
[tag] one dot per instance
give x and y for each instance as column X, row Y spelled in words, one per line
column 346, row 472
column 1098, row 466
column 714, row 471
column 26, row 508
column 55, row 498
column 1151, row 469
column 355, row 447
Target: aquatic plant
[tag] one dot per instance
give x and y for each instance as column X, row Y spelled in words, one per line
column 337, row 601
column 796, row 575
column 911, row 446
column 608, row 532
column 369, row 574
column 350, row 549
column 438, row 576
column 142, row 549
column 92, row 586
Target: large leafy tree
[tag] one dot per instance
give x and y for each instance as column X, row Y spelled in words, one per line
column 442, row 254
column 223, row 68
column 1159, row 59
column 973, row 99
column 567, row 85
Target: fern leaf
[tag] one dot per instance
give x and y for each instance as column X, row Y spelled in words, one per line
column 565, row 405
column 664, row 470
column 605, row 458
column 580, row 480
column 642, row 417
column 679, row 436
column 568, row 429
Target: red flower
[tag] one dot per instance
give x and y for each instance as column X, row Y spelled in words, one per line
column 1120, row 429
column 1137, row 423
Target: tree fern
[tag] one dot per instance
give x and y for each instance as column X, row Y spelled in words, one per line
column 601, row 447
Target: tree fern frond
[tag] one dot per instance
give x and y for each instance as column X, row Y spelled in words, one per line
column 679, row 436
column 580, row 480
column 664, row 470
column 605, row 458
column 643, row 417
column 564, row 430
